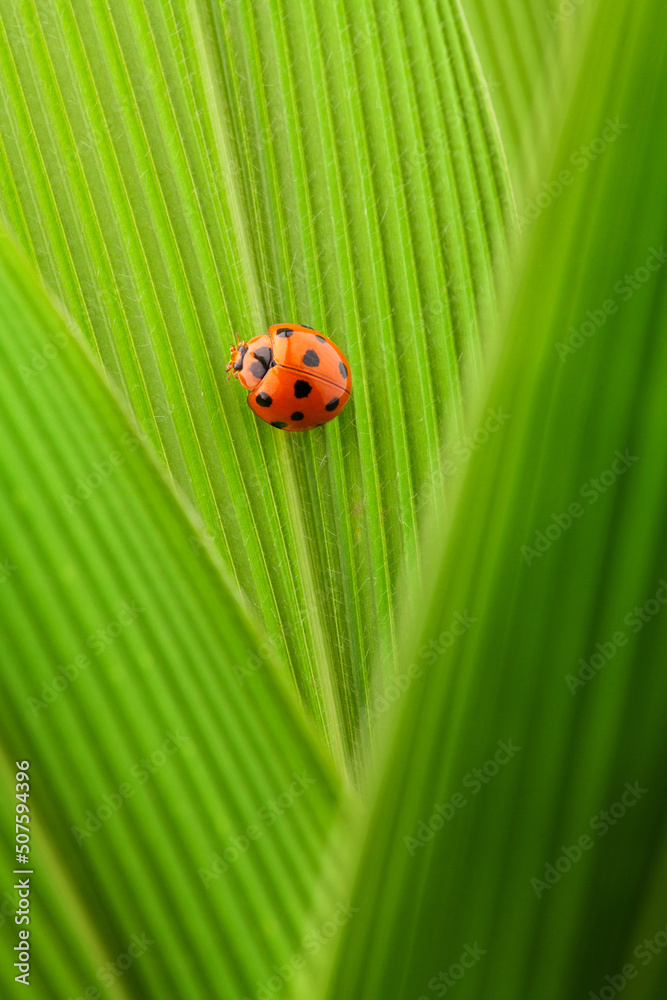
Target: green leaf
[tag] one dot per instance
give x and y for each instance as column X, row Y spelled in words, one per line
column 181, row 173
column 504, row 817
column 175, row 788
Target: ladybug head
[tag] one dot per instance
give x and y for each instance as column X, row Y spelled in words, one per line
column 250, row 361
column 235, row 365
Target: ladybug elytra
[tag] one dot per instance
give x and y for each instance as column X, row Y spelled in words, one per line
column 297, row 378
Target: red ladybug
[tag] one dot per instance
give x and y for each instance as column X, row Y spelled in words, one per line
column 297, row 378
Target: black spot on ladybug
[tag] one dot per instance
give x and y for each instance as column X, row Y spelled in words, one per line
column 278, row 423
column 311, row 358
column 264, row 361
column 238, row 364
column 332, row 405
column 263, row 399
column 342, row 369
column 263, row 354
column 284, row 331
column 297, row 416
column 320, row 338
column 302, row 388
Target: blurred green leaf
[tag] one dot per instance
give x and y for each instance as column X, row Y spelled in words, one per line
column 542, row 722
column 530, row 51
column 517, row 44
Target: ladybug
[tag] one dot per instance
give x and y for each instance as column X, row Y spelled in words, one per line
column 297, row 378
